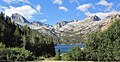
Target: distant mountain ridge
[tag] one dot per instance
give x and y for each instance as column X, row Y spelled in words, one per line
column 66, row 31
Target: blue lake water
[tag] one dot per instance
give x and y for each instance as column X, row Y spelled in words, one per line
column 65, row 48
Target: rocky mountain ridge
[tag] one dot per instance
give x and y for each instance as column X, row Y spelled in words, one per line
column 67, row 31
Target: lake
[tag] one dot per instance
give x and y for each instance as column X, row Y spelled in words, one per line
column 65, row 48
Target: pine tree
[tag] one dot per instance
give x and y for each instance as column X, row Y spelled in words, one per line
column 17, row 32
column 24, row 41
column 8, row 20
column 104, row 46
column 2, row 16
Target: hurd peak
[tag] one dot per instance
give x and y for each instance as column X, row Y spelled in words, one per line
column 95, row 18
column 18, row 18
column 92, row 18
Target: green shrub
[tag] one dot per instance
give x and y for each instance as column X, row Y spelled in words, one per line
column 57, row 56
column 15, row 54
column 74, row 54
column 65, row 57
column 40, row 58
column 2, row 45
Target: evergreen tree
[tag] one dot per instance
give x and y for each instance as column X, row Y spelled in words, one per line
column 24, row 41
column 17, row 31
column 103, row 46
column 13, row 36
column 2, row 16
column 8, row 20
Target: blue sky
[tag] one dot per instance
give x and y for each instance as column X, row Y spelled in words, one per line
column 52, row 11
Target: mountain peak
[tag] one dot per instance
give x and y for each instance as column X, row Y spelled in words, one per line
column 92, row 18
column 95, row 18
column 60, row 24
column 36, row 23
column 113, row 16
column 18, row 18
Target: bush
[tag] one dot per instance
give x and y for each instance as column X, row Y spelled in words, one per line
column 15, row 54
column 57, row 56
column 40, row 58
column 2, row 45
column 74, row 54
column 65, row 57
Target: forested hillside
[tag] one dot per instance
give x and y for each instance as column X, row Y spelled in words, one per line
column 105, row 45
column 22, row 43
column 100, row 45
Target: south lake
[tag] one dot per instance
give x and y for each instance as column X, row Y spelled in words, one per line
column 65, row 48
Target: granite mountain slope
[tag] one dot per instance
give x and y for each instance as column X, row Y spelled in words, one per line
column 74, row 31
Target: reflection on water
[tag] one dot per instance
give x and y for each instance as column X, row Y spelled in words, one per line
column 65, row 48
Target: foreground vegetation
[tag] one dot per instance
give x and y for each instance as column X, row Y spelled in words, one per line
column 19, row 43
column 22, row 43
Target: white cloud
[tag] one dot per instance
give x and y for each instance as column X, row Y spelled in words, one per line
column 16, row 1
column 104, row 3
column 117, row 6
column 84, row 7
column 2, row 8
column 24, row 1
column 38, row 8
column 26, row 11
column 44, row 20
column 9, row 1
column 76, row 1
column 58, row 2
column 102, row 15
column 63, row 8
